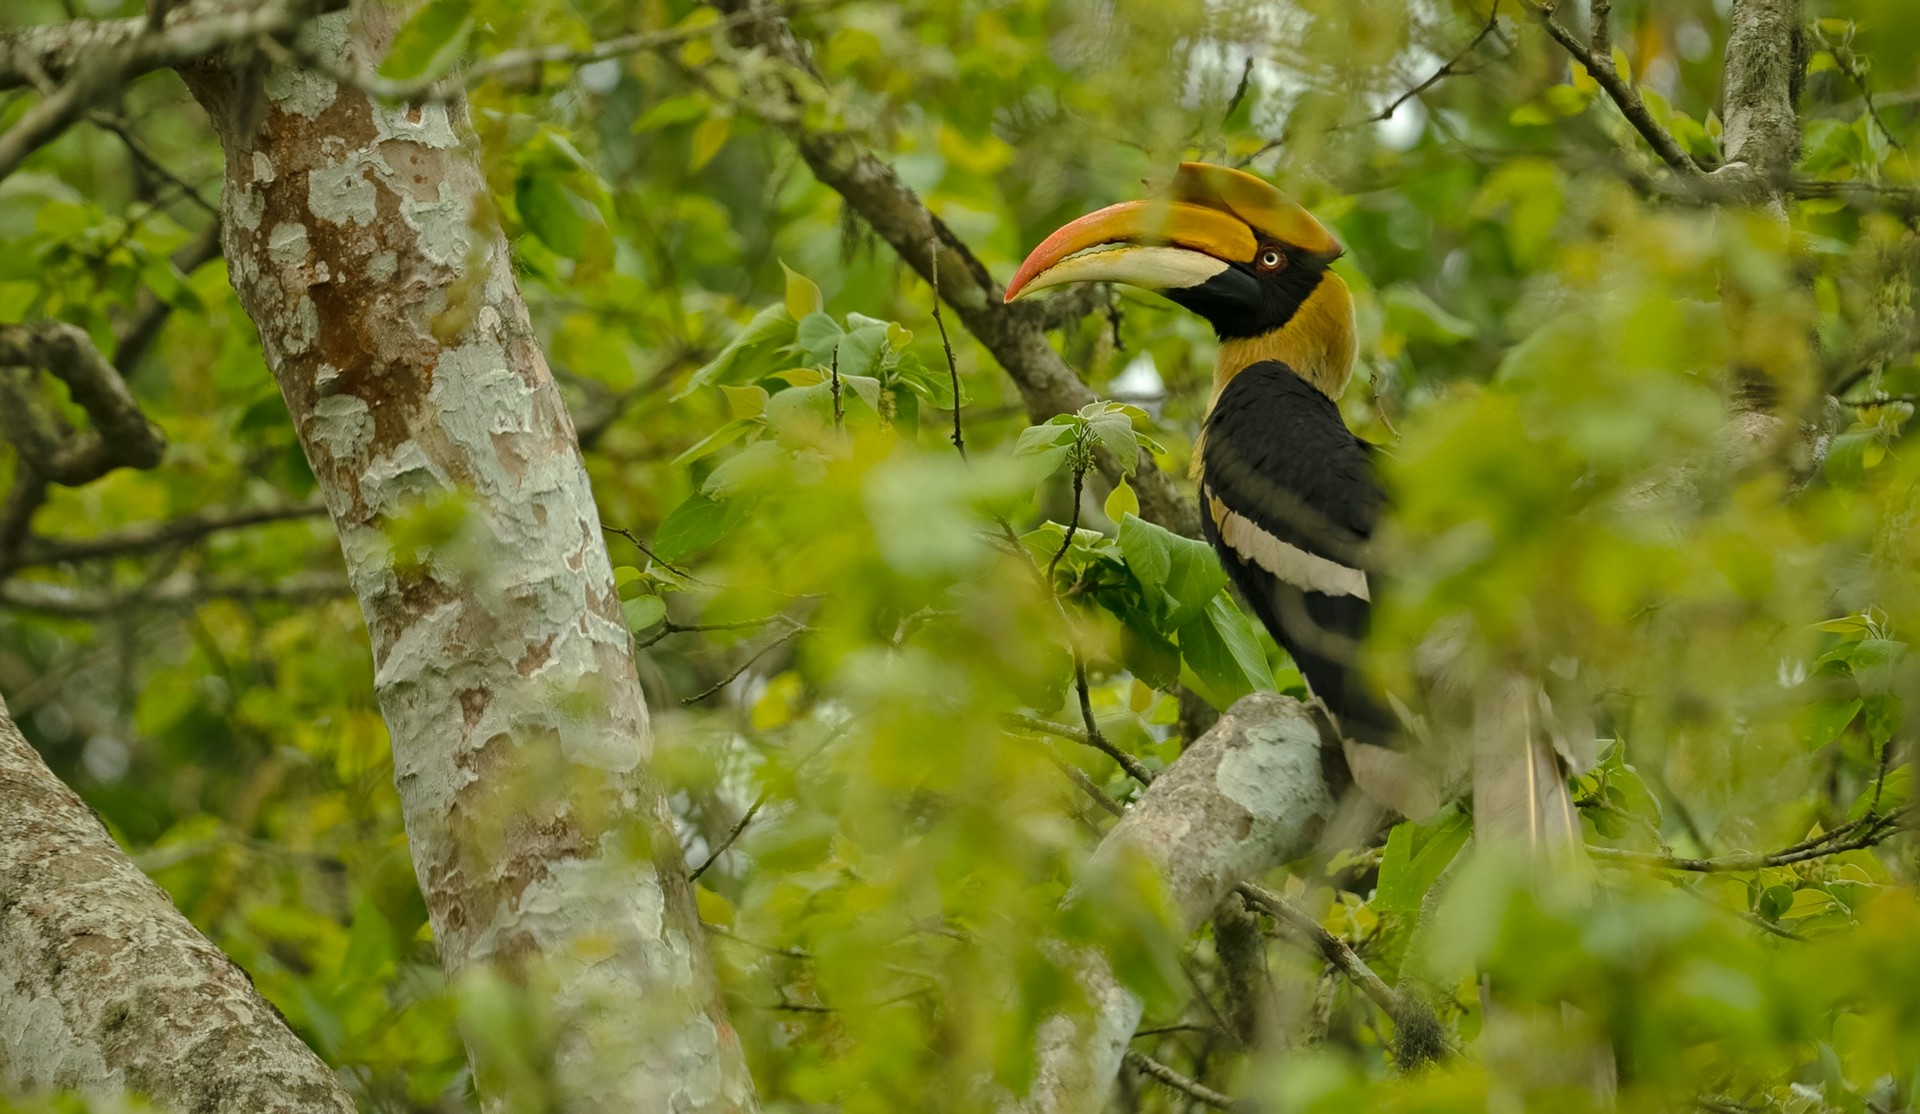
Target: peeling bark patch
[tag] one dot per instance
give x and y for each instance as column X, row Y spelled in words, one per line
column 341, row 194
column 536, row 656
column 473, row 703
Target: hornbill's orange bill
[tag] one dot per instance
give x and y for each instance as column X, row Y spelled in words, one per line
column 1204, row 221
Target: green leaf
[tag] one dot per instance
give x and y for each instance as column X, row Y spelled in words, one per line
column 861, row 348
column 715, row 441
column 803, row 295
column 816, row 337
column 1121, row 502
column 1179, row 575
column 1219, row 648
column 674, row 110
column 1147, row 654
column 745, row 402
column 1412, row 314
column 644, row 611
column 691, row 527
column 748, row 469
column 743, row 359
column 1822, row 722
column 1774, row 901
column 1113, row 431
column 1416, row 856
column 551, row 210
column 427, row 45
column 708, row 137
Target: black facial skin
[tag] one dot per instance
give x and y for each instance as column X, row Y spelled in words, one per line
column 1243, row 301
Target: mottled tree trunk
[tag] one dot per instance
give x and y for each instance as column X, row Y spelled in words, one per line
column 105, row 987
column 361, row 241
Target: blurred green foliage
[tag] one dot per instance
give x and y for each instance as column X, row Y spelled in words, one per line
column 836, row 613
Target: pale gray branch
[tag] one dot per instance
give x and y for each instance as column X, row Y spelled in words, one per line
column 1246, row 797
column 105, row 987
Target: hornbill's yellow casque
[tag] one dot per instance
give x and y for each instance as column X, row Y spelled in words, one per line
column 1288, row 496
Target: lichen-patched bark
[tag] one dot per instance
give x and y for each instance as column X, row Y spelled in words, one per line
column 1250, row 795
column 105, row 987
column 359, row 239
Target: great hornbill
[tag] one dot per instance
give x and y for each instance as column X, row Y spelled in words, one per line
column 1288, row 494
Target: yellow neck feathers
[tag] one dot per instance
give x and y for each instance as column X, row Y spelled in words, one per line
column 1317, row 342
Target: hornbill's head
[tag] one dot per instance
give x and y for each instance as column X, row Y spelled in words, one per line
column 1232, row 249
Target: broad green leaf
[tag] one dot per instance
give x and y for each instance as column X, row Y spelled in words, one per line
column 1416, row 856
column 1182, row 573
column 551, row 210
column 683, row 109
column 745, row 402
column 1121, row 502
column 644, row 611
column 1822, row 722
column 709, row 136
column 803, row 295
column 1222, row 655
column 747, row 470
column 691, row 527
column 816, row 337
column 742, row 359
column 715, row 441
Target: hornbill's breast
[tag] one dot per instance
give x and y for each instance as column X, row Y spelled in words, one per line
column 1289, row 499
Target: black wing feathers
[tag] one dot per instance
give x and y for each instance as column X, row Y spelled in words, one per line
column 1289, row 499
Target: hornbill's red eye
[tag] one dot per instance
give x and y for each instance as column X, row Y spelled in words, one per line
column 1272, row 259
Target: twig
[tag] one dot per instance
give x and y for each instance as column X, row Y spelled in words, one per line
column 1085, row 785
column 1193, row 1089
column 1867, row 832
column 1600, row 28
column 1625, row 98
column 52, row 599
column 1418, row 1037
column 729, row 934
column 1849, row 64
column 94, row 59
column 179, row 531
column 1073, row 518
column 1449, row 68
column 782, row 94
column 138, row 150
column 725, row 844
column 668, row 627
column 953, row 368
column 371, row 82
column 839, row 412
column 763, row 651
column 1133, row 766
column 642, row 547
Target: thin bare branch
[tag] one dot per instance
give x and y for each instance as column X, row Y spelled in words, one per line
column 1193, row 1089
column 1418, row 1035
column 1867, row 832
column 145, row 539
column 1133, row 766
column 1452, row 67
column 777, row 642
column 89, row 60
column 172, row 593
column 1599, row 65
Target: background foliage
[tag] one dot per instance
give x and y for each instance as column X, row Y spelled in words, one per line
column 848, row 631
